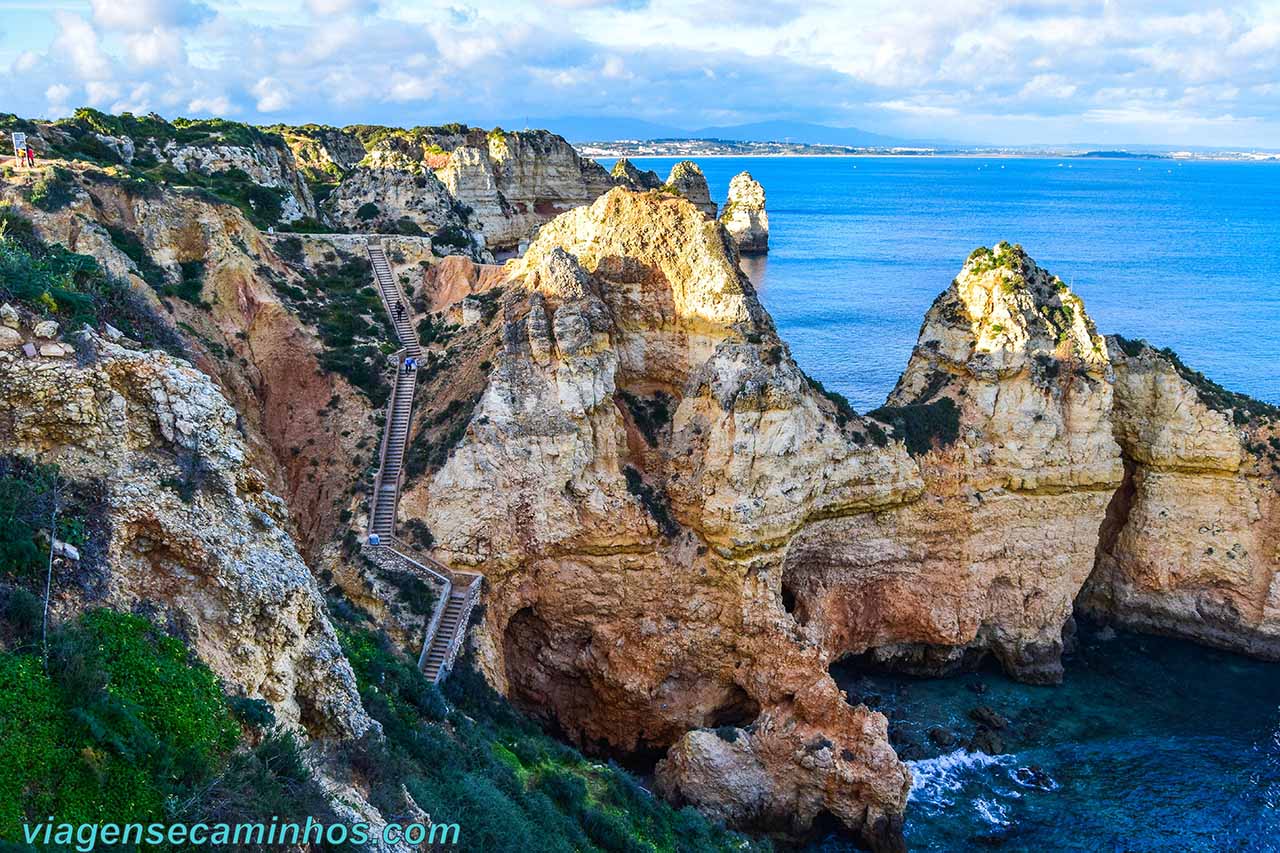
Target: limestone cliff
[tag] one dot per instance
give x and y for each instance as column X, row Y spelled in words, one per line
column 518, row 180
column 193, row 530
column 401, row 197
column 1006, row 401
column 223, row 287
column 744, row 215
column 686, row 179
column 643, row 446
column 627, row 174
column 1191, row 542
column 206, row 153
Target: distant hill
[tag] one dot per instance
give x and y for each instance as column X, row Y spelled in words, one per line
column 798, row 131
column 601, row 128
column 616, row 128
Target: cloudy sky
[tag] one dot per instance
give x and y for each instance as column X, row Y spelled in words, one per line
column 1000, row 72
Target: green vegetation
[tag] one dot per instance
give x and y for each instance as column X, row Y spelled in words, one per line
column 1242, row 408
column 452, row 236
column 122, row 721
column 27, row 495
column 341, row 302
column 434, row 329
column 1012, row 257
column 417, row 532
column 53, row 190
column 448, row 425
column 76, row 138
column 124, row 725
column 467, row 757
column 844, row 411
column 184, row 131
column 50, row 281
column 367, row 211
column 651, row 414
column 654, row 500
column 923, row 426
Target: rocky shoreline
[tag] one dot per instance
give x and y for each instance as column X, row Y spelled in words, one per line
column 680, row 531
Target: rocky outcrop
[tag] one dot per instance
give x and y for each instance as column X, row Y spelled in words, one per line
column 403, row 198
column 267, row 165
column 193, row 530
column 1006, row 401
column 237, row 326
column 639, row 598
column 518, row 180
column 627, row 174
column 686, row 179
column 744, row 215
column 1191, row 543
column 324, row 153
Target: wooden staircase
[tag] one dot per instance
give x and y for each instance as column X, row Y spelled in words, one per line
column 459, row 590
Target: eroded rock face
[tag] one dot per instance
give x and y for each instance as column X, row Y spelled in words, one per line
column 993, row 553
column 193, row 529
column 267, row 165
column 686, row 178
column 518, row 180
column 744, row 215
column 263, row 356
column 1191, row 543
column 629, row 175
column 381, row 198
column 638, row 597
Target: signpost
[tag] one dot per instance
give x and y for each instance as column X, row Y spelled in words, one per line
column 20, row 146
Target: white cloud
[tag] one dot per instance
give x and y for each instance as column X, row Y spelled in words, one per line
column 58, row 96
column 136, row 15
column 100, row 93
column 159, row 46
column 217, row 105
column 78, row 42
column 408, row 87
column 1004, row 69
column 326, row 8
column 272, row 95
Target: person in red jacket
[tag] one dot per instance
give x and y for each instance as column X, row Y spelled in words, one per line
column 31, row 156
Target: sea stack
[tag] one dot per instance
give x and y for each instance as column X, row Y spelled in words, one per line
column 627, row 174
column 686, row 179
column 744, row 216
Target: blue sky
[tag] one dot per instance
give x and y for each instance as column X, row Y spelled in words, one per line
column 1003, row 72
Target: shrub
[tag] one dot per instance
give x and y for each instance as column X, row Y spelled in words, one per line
column 844, row 411
column 367, row 211
column 50, row 281
column 651, row 414
column 122, row 722
column 652, row 499
column 53, row 190
column 418, row 533
column 1242, row 407
column 490, row 769
column 923, row 425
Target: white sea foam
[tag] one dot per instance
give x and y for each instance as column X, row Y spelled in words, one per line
column 992, row 811
column 933, row 778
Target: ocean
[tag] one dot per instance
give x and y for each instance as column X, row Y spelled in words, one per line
column 1184, row 254
column 1150, row 744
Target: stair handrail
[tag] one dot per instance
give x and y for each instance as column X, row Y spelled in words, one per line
column 464, row 617
column 386, row 303
column 449, row 578
column 399, row 356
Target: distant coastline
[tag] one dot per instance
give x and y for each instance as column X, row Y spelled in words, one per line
column 710, row 148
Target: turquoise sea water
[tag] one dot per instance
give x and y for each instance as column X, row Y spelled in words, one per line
column 1186, row 255
column 1150, row 744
